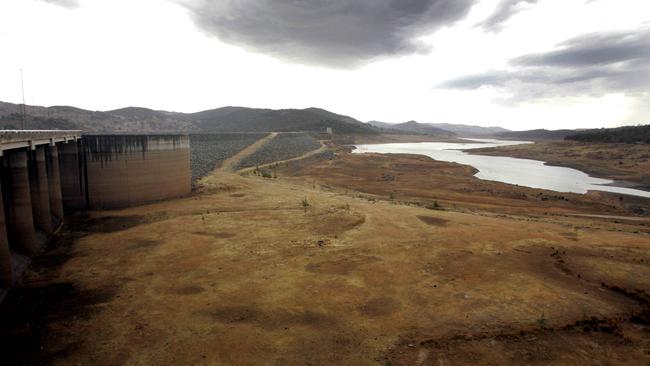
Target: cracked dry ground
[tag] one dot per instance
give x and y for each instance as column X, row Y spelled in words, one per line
column 242, row 273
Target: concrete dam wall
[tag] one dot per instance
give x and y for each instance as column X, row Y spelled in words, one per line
column 41, row 172
column 127, row 170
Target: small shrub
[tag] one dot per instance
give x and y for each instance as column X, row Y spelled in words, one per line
column 542, row 321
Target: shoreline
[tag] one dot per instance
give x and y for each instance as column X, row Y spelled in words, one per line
column 614, row 182
column 626, row 165
column 399, row 138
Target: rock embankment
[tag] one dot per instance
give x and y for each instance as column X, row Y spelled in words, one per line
column 208, row 151
column 283, row 147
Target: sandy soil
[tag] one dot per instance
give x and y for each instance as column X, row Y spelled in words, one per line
column 308, row 270
column 625, row 162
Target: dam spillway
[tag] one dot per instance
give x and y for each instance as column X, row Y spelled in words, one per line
column 44, row 173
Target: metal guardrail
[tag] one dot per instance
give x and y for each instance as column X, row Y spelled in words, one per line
column 16, row 139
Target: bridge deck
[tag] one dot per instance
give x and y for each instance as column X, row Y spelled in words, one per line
column 14, row 139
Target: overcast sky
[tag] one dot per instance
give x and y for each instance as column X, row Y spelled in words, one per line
column 520, row 64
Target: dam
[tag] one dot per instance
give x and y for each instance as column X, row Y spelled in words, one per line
column 43, row 174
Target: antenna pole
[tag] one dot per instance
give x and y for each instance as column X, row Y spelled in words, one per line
column 22, row 85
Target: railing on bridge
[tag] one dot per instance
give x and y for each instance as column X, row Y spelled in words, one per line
column 16, row 139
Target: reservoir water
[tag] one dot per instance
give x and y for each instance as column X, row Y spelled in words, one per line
column 523, row 172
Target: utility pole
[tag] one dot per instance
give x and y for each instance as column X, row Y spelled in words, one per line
column 22, row 85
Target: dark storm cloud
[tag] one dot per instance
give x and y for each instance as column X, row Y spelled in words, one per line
column 337, row 33
column 593, row 50
column 592, row 64
column 504, row 11
column 64, row 3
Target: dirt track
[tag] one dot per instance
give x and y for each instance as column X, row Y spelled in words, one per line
column 299, row 271
column 230, row 163
column 304, row 156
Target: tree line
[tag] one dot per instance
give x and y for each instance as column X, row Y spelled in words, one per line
column 627, row 134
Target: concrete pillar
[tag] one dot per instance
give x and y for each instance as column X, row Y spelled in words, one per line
column 6, row 277
column 72, row 176
column 18, row 203
column 54, row 181
column 39, row 188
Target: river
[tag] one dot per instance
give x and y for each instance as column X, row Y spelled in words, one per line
column 523, row 172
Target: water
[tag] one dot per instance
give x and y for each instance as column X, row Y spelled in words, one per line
column 523, row 172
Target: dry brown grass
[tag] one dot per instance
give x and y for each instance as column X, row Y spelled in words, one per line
column 241, row 274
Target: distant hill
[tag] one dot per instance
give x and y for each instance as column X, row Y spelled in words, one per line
column 384, row 125
column 449, row 129
column 236, row 119
column 413, row 127
column 226, row 119
column 14, row 121
column 627, row 134
column 470, row 130
column 122, row 120
column 138, row 112
column 540, row 134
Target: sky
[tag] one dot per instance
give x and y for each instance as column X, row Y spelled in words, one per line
column 519, row 64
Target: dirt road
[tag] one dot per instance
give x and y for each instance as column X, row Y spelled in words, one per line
column 230, row 164
column 304, row 156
